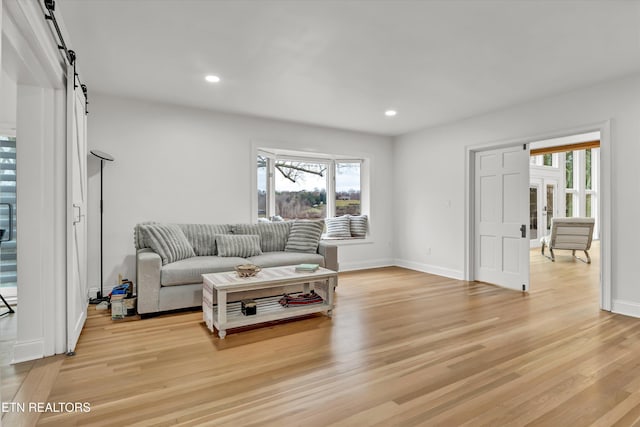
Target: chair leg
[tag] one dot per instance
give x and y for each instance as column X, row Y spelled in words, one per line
column 586, row 261
column 553, row 256
column 542, row 251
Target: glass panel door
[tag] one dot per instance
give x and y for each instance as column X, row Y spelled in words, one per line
column 8, row 270
column 533, row 212
column 550, row 204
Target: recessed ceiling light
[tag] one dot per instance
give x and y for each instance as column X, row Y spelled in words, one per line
column 212, row 79
column 390, row 113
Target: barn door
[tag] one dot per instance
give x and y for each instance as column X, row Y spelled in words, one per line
column 77, row 288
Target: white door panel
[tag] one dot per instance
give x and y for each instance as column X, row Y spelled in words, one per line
column 77, row 288
column 502, row 208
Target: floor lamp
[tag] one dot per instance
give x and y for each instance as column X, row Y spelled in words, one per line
column 104, row 157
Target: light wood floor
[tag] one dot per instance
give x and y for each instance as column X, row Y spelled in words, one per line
column 404, row 348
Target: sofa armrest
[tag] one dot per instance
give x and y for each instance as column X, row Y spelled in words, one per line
column 330, row 254
column 148, row 267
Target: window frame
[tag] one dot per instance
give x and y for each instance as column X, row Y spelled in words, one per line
column 579, row 191
column 320, row 158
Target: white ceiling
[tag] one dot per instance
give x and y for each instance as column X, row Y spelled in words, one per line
column 343, row 63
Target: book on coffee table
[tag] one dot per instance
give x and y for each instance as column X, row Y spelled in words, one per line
column 307, row 268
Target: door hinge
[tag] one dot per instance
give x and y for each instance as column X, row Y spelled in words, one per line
column 524, row 146
column 523, row 287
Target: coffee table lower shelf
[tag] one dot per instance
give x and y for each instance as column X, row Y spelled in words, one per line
column 268, row 310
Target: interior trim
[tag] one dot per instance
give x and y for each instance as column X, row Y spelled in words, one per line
column 565, row 148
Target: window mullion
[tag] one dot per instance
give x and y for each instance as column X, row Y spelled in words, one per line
column 331, row 190
column 271, row 188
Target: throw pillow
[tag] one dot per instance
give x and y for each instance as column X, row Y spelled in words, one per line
column 338, row 227
column 238, row 245
column 304, row 236
column 359, row 225
column 202, row 237
column 138, row 236
column 168, row 241
column 273, row 235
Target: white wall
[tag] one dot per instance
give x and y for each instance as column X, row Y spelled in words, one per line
column 185, row 165
column 9, row 96
column 429, row 172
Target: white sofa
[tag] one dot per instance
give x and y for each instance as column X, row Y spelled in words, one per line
column 178, row 284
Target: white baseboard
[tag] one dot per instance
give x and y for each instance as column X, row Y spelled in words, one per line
column 24, row 351
column 628, row 308
column 364, row 265
column 431, row 269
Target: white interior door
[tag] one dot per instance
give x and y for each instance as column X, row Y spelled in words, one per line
column 77, row 288
column 502, row 217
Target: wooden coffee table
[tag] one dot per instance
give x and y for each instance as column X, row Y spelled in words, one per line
column 225, row 315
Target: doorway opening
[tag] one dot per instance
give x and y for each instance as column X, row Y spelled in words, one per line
column 579, row 202
column 564, row 182
column 8, row 246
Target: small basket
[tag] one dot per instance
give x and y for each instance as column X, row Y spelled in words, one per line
column 247, row 270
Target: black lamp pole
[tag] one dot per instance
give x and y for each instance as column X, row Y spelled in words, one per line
column 103, row 157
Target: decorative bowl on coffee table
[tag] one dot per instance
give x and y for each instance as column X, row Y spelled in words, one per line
column 247, row 270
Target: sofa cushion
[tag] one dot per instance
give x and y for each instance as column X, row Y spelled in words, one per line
column 230, row 245
column 273, row 235
column 203, row 236
column 359, row 225
column 190, row 270
column 304, row 236
column 277, row 259
column 168, row 241
column 338, row 227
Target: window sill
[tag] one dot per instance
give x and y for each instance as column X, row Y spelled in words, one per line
column 348, row 241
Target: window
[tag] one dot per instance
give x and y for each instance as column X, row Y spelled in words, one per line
column 587, row 160
column 549, row 160
column 581, row 179
column 301, row 187
column 569, row 170
column 347, row 193
column 262, row 186
column 569, row 205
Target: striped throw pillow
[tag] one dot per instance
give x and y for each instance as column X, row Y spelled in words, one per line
column 338, row 227
column 203, row 236
column 304, row 236
column 238, row 245
column 273, row 235
column 168, row 241
column 359, row 225
column 138, row 236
